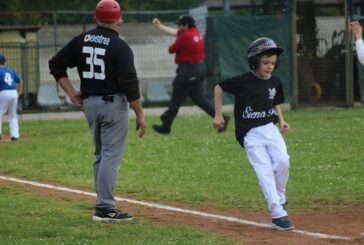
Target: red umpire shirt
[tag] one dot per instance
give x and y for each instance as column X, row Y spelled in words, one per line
column 189, row 46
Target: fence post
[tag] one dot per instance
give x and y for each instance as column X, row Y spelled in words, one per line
column 24, row 68
column 348, row 57
column 294, row 54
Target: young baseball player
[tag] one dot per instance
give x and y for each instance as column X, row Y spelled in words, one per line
column 11, row 86
column 359, row 44
column 258, row 95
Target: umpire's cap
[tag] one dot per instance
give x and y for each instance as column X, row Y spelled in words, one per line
column 2, row 59
column 186, row 20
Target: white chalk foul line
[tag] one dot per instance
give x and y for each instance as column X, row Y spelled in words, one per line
column 174, row 209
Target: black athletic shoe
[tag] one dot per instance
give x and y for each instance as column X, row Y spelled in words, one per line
column 223, row 129
column 160, row 129
column 110, row 215
column 1, row 136
column 14, row 139
column 282, row 224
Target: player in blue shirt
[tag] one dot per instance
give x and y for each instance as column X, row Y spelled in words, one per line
column 11, row 86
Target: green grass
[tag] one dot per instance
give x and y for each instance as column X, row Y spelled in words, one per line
column 197, row 166
column 31, row 219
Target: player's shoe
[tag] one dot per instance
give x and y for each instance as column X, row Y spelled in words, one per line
column 223, row 129
column 161, row 129
column 282, row 224
column 111, row 215
column 14, row 139
column 1, row 136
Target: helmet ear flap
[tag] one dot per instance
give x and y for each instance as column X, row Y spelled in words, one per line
column 277, row 62
column 254, row 62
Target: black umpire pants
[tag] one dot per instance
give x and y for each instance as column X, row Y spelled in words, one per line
column 188, row 82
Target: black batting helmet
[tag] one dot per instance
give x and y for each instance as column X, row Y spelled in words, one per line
column 257, row 48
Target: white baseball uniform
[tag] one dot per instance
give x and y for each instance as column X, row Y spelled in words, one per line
column 266, row 150
column 9, row 99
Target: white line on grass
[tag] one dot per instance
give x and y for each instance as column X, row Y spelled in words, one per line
column 174, row 209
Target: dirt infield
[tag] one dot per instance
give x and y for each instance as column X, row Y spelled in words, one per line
column 6, row 139
column 345, row 221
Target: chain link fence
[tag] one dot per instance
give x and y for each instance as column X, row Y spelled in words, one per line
column 321, row 40
column 321, row 53
column 28, row 49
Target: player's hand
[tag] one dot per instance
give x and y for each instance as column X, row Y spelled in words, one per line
column 218, row 122
column 284, row 127
column 156, row 23
column 141, row 125
column 76, row 99
column 357, row 29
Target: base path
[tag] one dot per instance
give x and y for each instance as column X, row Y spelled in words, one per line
column 207, row 217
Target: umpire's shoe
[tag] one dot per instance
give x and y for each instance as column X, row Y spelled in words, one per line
column 282, row 224
column 111, row 215
column 161, row 129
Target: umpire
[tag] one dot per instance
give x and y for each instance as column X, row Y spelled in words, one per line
column 191, row 71
column 109, row 82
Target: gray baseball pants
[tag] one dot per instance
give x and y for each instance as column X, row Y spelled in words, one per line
column 108, row 122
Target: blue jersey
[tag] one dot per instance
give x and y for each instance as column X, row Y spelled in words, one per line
column 8, row 78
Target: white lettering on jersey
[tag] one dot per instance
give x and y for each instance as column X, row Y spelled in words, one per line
column 8, row 79
column 197, row 38
column 248, row 113
column 94, row 59
column 96, row 39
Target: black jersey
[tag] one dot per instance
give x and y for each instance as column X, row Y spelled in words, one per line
column 105, row 63
column 255, row 99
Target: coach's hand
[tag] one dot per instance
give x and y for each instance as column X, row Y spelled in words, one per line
column 76, row 99
column 141, row 125
column 357, row 30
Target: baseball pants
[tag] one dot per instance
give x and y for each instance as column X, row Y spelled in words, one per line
column 9, row 104
column 179, row 94
column 267, row 154
column 109, row 123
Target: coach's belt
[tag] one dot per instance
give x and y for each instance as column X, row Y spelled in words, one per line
column 108, row 98
column 104, row 97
